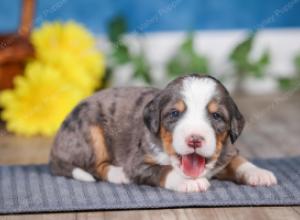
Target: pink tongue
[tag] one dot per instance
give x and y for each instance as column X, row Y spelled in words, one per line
column 192, row 164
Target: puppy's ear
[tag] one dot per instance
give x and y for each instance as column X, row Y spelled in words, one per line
column 152, row 115
column 237, row 122
column 152, row 112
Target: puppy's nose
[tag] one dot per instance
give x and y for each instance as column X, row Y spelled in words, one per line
column 195, row 141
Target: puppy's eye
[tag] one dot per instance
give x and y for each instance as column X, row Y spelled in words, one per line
column 216, row 116
column 174, row 114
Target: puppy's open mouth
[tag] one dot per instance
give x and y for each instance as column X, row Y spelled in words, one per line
column 192, row 164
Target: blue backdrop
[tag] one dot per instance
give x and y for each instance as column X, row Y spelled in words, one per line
column 161, row 15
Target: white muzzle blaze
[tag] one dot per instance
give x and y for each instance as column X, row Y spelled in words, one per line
column 197, row 93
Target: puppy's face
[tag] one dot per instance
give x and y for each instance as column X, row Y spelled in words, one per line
column 193, row 117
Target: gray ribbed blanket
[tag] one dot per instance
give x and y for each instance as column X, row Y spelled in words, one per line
column 26, row 189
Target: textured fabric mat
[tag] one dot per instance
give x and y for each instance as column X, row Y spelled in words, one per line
column 32, row 189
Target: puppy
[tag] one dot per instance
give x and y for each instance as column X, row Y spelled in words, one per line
column 177, row 138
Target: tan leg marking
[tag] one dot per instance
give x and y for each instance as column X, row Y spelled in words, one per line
column 102, row 158
column 229, row 172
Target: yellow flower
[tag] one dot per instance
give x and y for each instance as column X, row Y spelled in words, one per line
column 67, row 68
column 63, row 45
column 40, row 101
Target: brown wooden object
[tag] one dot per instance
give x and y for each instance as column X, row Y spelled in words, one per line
column 15, row 48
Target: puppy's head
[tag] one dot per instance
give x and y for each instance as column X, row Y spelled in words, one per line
column 193, row 117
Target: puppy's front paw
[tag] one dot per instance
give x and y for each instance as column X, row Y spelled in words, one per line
column 117, row 175
column 252, row 175
column 197, row 185
column 175, row 181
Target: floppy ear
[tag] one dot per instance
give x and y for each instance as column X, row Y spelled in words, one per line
column 237, row 122
column 152, row 115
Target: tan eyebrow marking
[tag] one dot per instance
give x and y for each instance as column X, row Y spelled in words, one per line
column 180, row 106
column 213, row 106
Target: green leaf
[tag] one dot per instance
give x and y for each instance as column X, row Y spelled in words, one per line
column 188, row 44
column 142, row 68
column 116, row 28
column 265, row 58
column 106, row 79
column 288, row 83
column 186, row 60
column 120, row 54
column 258, row 68
column 297, row 64
column 240, row 53
column 240, row 57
